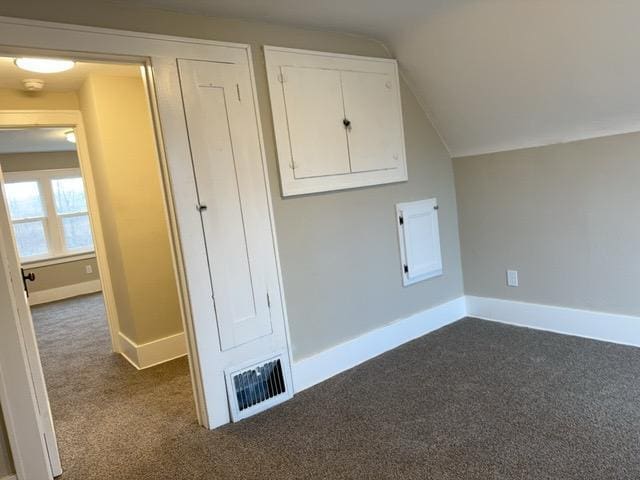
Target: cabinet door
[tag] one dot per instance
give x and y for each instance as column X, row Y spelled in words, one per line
column 375, row 136
column 313, row 101
column 419, row 240
column 228, row 172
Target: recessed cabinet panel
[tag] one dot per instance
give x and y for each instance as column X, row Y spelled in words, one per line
column 375, row 138
column 419, row 237
column 232, row 201
column 337, row 120
column 315, row 122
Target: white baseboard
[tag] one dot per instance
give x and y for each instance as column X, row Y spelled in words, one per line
column 60, row 293
column 153, row 353
column 317, row 368
column 609, row 327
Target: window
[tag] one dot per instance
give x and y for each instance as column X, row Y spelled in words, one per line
column 49, row 213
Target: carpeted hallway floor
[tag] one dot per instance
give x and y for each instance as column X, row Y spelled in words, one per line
column 475, row 400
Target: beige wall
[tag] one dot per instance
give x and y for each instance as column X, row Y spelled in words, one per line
column 565, row 216
column 6, row 463
column 19, row 100
column 23, row 162
column 62, row 274
column 339, row 250
column 127, row 178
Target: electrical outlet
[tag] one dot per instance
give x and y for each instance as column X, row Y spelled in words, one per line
column 88, row 269
column 512, row 278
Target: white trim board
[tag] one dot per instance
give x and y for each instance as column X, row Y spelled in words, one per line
column 9, row 477
column 317, row 368
column 608, row 327
column 153, row 353
column 68, row 291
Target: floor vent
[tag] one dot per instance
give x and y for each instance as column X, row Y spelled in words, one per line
column 257, row 387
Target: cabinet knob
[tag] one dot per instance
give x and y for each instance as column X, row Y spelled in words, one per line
column 347, row 123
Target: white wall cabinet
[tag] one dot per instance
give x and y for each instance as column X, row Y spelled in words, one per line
column 337, row 120
column 419, row 237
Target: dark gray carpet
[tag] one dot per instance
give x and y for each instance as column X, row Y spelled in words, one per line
column 475, row 400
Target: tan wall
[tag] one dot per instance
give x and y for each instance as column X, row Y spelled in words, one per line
column 6, row 462
column 339, row 250
column 566, row 216
column 126, row 172
column 23, row 162
column 19, row 100
column 62, row 274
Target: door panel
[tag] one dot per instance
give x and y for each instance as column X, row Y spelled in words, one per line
column 29, row 337
column 226, row 160
column 316, row 131
column 375, row 138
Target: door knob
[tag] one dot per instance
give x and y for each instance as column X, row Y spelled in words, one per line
column 30, row 276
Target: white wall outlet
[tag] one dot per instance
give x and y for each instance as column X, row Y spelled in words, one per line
column 88, row 269
column 512, row 278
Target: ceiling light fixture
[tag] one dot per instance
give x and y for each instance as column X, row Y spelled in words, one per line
column 44, row 65
column 70, row 136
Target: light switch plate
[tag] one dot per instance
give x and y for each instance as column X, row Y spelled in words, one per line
column 512, row 278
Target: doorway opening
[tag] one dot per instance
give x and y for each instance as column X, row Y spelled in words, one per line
column 88, row 212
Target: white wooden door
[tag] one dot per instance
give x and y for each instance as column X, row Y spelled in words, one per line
column 29, row 338
column 375, row 135
column 235, row 217
column 315, row 116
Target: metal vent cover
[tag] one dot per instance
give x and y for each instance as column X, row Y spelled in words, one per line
column 258, row 386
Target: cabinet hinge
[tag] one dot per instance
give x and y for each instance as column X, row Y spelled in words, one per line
column 401, row 220
column 406, row 268
column 435, row 207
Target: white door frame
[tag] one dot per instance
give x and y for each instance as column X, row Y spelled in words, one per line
column 73, row 120
column 159, row 52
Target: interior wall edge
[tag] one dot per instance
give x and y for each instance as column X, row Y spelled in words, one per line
column 153, row 353
column 67, row 291
column 595, row 134
column 602, row 326
column 317, row 368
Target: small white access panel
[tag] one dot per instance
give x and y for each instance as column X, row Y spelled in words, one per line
column 419, row 237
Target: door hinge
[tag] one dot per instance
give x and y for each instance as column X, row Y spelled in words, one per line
column 238, row 90
column 268, row 301
column 406, row 268
column 401, row 220
column 435, row 207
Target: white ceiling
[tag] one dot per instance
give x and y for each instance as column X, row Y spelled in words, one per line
column 493, row 74
column 19, row 140
column 71, row 80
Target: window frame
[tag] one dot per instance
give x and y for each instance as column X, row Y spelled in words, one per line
column 52, row 221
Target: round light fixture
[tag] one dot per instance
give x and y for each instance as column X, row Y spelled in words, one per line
column 70, row 136
column 44, row 65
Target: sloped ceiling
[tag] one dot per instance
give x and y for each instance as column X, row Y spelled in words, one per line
column 493, row 74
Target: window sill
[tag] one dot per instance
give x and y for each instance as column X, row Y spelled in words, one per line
column 58, row 260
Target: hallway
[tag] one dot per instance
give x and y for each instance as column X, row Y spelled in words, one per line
column 109, row 417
